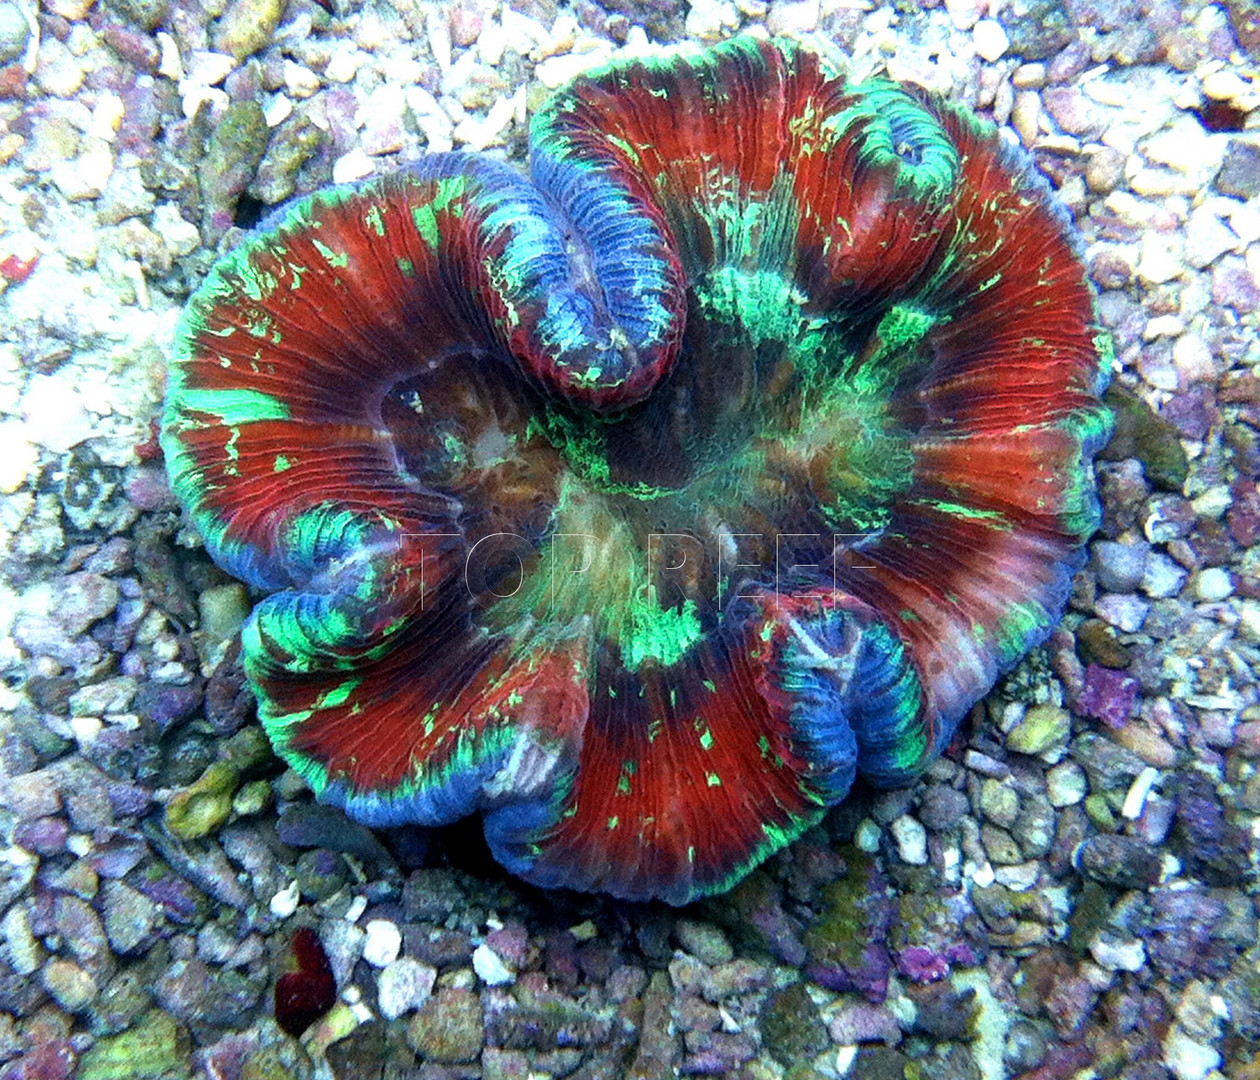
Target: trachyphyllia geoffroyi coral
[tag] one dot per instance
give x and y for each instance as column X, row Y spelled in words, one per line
column 643, row 502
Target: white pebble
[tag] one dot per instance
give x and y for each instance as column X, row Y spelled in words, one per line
column 1018, row 878
column 1186, row 147
column 490, row 968
column 1193, row 358
column 1223, row 86
column 169, row 63
column 1160, row 183
column 558, row 70
column 1135, row 800
column 343, row 65
column 526, row 33
column 134, row 272
column 1066, row 784
column 883, row 17
column 1244, row 219
column 478, row 134
column 1135, row 212
column 1122, row 610
column 17, row 457
column 1249, row 620
column 1213, row 502
column 209, row 68
column 963, row 13
column 867, row 836
column 1188, row 1058
column 707, row 19
column 372, row 32
column 400, row 69
column 911, row 838
column 59, row 72
column 459, row 94
column 793, row 16
column 300, row 81
column 23, row 950
column 381, row 118
column 182, row 237
column 637, row 43
column 431, row 118
column 1162, row 326
column 354, row 165
column 1029, row 76
column 440, row 37
column 990, row 40
column 277, row 109
column 491, row 42
column 404, row 986
column 1026, row 116
column 56, row 417
column 86, row 729
column 1114, row 94
column 107, row 116
column 196, row 95
column 1118, row 953
column 1213, row 585
column 383, row 942
column 1161, row 577
column 70, row 9
column 562, row 38
column 86, row 176
column 438, row 135
column 285, row 902
column 423, row 103
column 1161, row 258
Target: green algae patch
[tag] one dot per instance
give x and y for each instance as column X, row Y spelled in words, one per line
column 205, row 805
column 847, row 939
column 1143, row 434
column 792, row 1027
column 155, row 1049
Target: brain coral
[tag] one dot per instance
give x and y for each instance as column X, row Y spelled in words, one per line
column 641, row 503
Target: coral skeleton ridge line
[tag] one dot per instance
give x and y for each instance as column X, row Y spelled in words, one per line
column 642, row 502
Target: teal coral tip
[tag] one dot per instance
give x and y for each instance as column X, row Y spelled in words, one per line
column 644, row 503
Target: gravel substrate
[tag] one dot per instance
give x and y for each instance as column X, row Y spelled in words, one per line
column 1071, row 891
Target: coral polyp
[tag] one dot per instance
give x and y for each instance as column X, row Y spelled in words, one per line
column 642, row 503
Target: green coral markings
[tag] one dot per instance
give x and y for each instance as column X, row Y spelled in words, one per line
column 231, row 406
column 660, row 634
column 338, row 260
column 972, row 513
column 425, row 219
column 338, row 695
